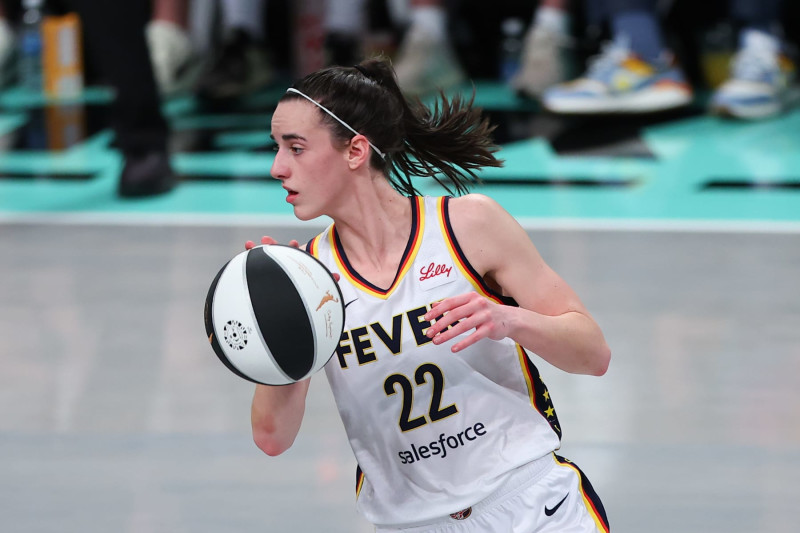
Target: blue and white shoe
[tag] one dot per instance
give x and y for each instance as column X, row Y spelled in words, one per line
column 619, row 82
column 760, row 81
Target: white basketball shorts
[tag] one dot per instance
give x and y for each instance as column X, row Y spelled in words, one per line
column 549, row 495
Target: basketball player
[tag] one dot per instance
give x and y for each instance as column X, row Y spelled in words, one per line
column 448, row 307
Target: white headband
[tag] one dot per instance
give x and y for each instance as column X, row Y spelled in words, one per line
column 342, row 122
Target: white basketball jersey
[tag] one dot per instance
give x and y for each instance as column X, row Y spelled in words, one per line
column 433, row 431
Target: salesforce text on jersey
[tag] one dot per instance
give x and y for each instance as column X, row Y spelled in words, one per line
column 439, row 447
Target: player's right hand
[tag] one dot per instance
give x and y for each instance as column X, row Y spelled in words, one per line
column 269, row 240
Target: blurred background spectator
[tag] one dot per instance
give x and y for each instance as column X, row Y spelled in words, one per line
column 637, row 73
column 170, row 44
column 6, row 47
column 634, row 73
column 761, row 73
column 426, row 58
column 548, row 55
column 656, row 55
column 239, row 65
column 115, row 42
column 537, row 32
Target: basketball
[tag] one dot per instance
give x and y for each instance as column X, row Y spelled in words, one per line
column 274, row 315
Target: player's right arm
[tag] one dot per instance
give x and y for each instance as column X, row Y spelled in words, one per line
column 276, row 415
column 277, row 411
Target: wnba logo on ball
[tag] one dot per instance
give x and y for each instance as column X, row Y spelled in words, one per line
column 235, row 335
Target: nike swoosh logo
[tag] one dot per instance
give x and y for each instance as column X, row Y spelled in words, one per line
column 351, row 301
column 550, row 512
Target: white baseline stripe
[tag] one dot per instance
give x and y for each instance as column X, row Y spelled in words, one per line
column 158, row 219
column 288, row 221
column 661, row 225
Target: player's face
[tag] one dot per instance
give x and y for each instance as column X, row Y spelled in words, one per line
column 307, row 163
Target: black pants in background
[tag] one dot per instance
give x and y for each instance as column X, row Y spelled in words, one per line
column 114, row 39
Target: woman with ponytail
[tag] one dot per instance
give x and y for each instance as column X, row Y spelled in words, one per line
column 449, row 307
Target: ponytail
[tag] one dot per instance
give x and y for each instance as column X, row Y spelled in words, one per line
column 449, row 143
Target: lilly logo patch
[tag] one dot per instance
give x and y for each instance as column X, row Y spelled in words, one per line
column 435, row 272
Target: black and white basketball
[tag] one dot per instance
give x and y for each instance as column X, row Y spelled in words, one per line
column 274, row 314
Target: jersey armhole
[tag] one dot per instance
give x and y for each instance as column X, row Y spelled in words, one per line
column 461, row 260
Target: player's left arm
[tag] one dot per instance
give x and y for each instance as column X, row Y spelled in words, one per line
column 550, row 321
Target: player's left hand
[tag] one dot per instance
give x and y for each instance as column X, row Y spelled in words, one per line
column 465, row 312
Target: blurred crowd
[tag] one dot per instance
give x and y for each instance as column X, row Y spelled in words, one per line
column 572, row 56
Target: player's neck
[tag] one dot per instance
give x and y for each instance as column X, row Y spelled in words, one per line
column 374, row 231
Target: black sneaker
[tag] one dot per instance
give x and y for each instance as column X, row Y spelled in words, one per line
column 240, row 68
column 146, row 174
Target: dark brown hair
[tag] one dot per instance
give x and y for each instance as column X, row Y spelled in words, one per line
column 448, row 143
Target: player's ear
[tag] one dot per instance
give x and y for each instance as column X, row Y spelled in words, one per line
column 358, row 152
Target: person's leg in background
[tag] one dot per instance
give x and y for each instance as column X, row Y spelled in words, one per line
column 115, row 40
column 636, row 23
column 169, row 42
column 760, row 74
column 546, row 57
column 7, row 46
column 345, row 27
column 240, row 67
column 634, row 74
column 426, row 59
column 382, row 30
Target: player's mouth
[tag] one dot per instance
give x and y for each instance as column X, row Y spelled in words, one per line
column 291, row 195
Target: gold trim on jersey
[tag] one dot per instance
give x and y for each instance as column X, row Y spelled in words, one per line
column 359, row 480
column 413, row 246
column 523, row 363
column 590, row 500
column 313, row 246
column 458, row 256
column 537, row 391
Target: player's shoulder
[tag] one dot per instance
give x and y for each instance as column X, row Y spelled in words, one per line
column 474, row 200
column 475, row 211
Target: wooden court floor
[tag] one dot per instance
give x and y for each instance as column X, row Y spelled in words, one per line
column 115, row 415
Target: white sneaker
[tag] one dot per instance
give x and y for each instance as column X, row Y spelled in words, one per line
column 619, row 82
column 7, row 47
column 170, row 52
column 425, row 64
column 546, row 61
column 760, row 82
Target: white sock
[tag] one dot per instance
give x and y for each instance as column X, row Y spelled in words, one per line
column 553, row 19
column 6, row 40
column 752, row 38
column 432, row 20
column 345, row 16
column 247, row 15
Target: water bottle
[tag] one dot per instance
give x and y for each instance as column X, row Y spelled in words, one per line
column 718, row 46
column 30, row 46
column 511, row 47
